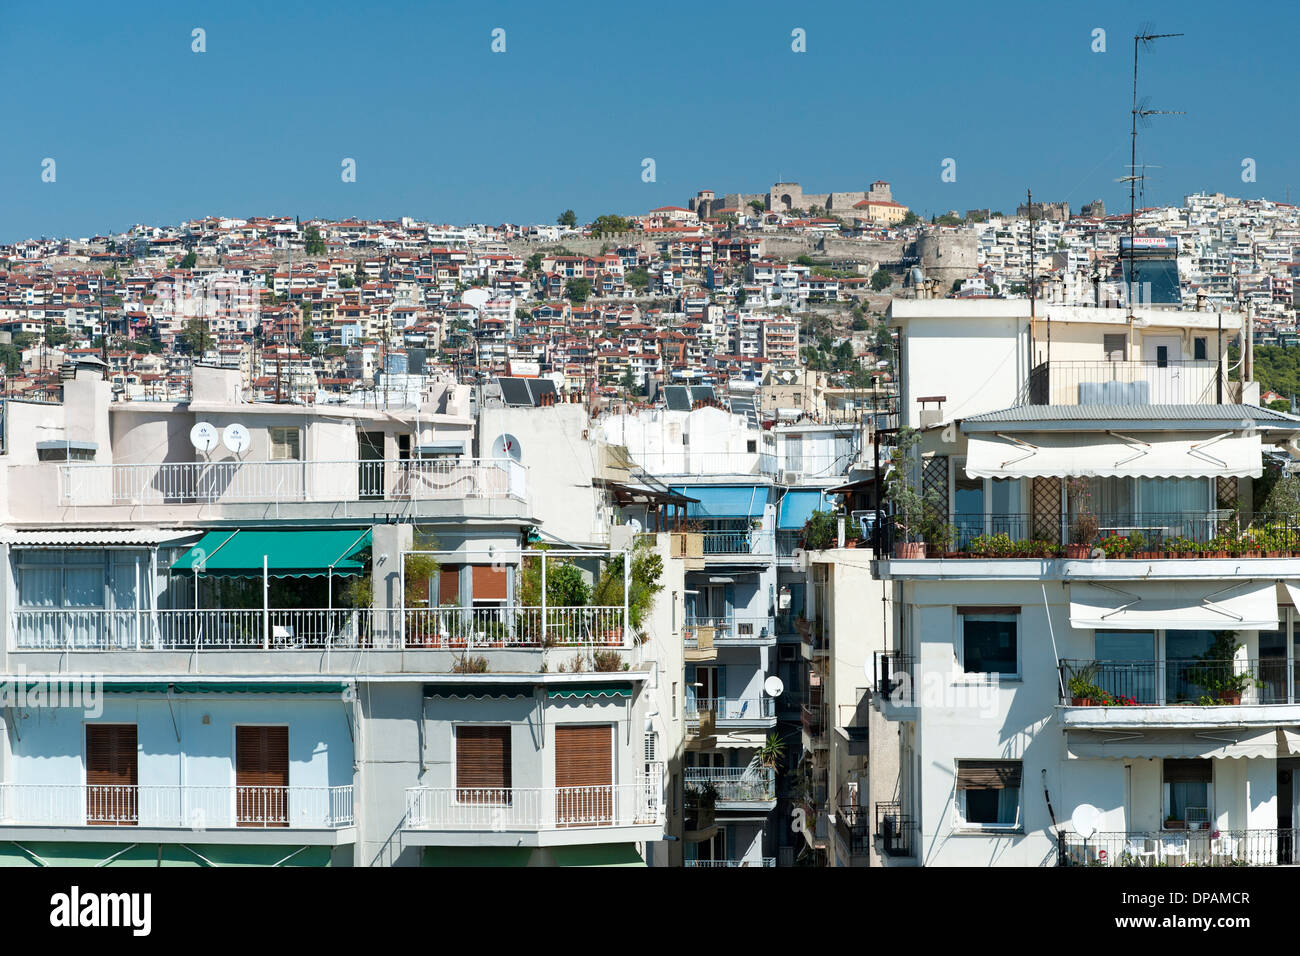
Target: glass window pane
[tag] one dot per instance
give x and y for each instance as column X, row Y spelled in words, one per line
column 989, row 644
column 1126, row 664
column 83, row 587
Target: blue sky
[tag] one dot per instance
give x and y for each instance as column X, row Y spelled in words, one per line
column 142, row 129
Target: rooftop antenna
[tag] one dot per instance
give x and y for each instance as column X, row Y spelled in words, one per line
column 1144, row 39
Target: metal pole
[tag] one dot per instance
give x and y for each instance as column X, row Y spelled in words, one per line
column 266, row 610
column 543, row 598
column 627, row 578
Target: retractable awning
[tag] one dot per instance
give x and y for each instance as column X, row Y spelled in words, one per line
column 797, row 507
column 1157, row 745
column 1174, row 605
column 288, row 553
column 590, row 690
column 724, row 501
column 1109, row 454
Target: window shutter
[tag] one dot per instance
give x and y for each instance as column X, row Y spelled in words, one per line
column 449, row 584
column 584, row 774
column 987, row 774
column 489, row 583
column 111, row 774
column 261, row 776
column 1188, row 771
column 482, row 762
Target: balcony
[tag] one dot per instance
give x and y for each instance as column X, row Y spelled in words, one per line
column 813, row 717
column 286, row 481
column 674, row 463
column 760, row 861
column 182, row 808
column 1187, row 382
column 1179, row 848
column 739, row 788
column 489, row 815
column 853, row 827
column 895, row 685
column 735, row 631
column 456, row 627
column 736, row 713
column 1175, row 683
column 755, row 542
column 896, row 830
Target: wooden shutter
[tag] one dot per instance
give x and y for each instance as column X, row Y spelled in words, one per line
column 584, row 774
column 111, row 775
column 987, row 774
column 449, row 584
column 483, row 765
column 489, row 583
column 262, row 776
column 1188, row 771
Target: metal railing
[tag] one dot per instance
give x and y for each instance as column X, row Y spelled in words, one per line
column 516, row 627
column 735, row 784
column 737, row 542
column 1118, row 535
column 894, row 677
column 730, row 709
column 706, row 462
column 289, row 480
column 854, row 828
column 759, row 861
column 537, row 808
column 813, row 717
column 1182, row 382
column 1173, row 681
column 195, row 808
column 895, row 829
column 740, row 629
column 1204, row 847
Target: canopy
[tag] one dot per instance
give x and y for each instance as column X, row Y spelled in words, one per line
column 288, row 553
column 597, row 854
column 797, row 507
column 1174, row 605
column 590, row 690
column 724, row 501
column 477, row 689
column 1157, row 745
column 1113, row 454
column 225, row 687
column 476, row 856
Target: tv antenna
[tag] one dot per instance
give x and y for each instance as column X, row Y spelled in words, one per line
column 1144, row 39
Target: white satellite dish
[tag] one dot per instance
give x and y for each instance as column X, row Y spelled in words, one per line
column 635, row 525
column 506, row 446
column 1086, row 820
column 203, row 437
column 774, row 686
column 236, row 438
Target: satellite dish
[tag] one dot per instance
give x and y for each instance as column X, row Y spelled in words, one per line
column 203, row 437
column 506, row 446
column 1086, row 820
column 236, row 438
column 635, row 525
column 773, row 686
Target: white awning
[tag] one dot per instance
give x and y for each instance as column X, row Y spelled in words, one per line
column 1157, row 745
column 124, row 536
column 1174, row 605
column 1288, row 742
column 1112, row 454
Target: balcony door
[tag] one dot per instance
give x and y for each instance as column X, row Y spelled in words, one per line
column 370, row 464
column 584, row 775
column 1164, row 373
column 262, row 776
column 111, row 775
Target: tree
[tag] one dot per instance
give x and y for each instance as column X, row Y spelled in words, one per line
column 741, row 297
column 567, row 218
column 577, row 290
column 308, row 339
column 313, row 244
column 628, row 382
column 859, row 324
column 196, row 337
column 880, row 280
column 805, row 260
column 758, row 206
column 191, row 260
column 608, row 225
column 360, row 275
column 346, row 281
column 637, row 278
column 910, row 219
column 534, row 262
column 56, row 335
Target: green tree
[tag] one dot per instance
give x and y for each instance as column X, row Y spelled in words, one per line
column 741, row 297
column 805, row 260
column 758, row 206
column 880, row 280
column 578, row 290
column 608, row 225
column 308, row 339
column 637, row 278
column 535, row 262
column 346, row 280
column 567, row 218
column 195, row 336
column 910, row 219
column 56, row 335
column 313, row 244
column 191, row 260
column 628, row 382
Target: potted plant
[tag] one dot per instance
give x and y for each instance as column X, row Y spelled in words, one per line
column 914, row 513
column 700, row 800
column 1173, row 823
column 1083, row 691
column 1217, row 675
column 1084, row 527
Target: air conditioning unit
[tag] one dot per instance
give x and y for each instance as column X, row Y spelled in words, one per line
column 784, row 477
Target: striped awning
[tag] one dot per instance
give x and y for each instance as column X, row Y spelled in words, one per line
column 590, row 690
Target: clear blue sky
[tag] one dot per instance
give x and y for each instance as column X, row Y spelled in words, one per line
column 144, row 130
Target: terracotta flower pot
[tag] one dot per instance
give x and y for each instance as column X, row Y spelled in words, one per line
column 1081, row 701
column 909, row 549
column 1077, row 551
column 1230, row 697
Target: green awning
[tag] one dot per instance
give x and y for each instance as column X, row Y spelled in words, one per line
column 591, row 690
column 471, row 689
column 288, row 553
column 476, row 856
column 597, row 854
column 225, row 687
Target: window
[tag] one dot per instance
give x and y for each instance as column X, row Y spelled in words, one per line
column 584, row 774
column 483, row 762
column 489, row 585
column 988, row 640
column 751, row 446
column 285, row 444
column 988, row 793
column 262, row 776
column 61, row 578
column 1114, row 345
column 111, row 775
column 65, row 454
column 1199, row 349
column 1187, row 793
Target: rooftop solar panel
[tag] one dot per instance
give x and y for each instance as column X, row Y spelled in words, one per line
column 677, row 398
column 702, row 393
column 514, row 391
column 537, row 387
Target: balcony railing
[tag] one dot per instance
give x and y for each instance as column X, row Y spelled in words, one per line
column 279, row 629
column 854, row 828
column 1173, row 682
column 895, row 829
column 706, row 463
column 1142, row 535
column 763, row 861
column 736, row 784
column 730, row 710
column 894, row 678
column 745, row 629
column 197, row 482
column 197, row 808
column 814, row 719
column 737, row 542
column 537, row 808
column 1179, row 848
column 1186, row 382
